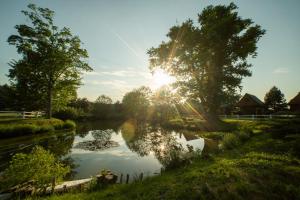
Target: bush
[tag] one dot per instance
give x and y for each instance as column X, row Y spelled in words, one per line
column 230, row 141
column 17, row 130
column 69, row 124
column 67, row 113
column 243, row 136
column 37, row 167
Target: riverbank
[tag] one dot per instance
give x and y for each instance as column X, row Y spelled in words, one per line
column 261, row 163
column 21, row 127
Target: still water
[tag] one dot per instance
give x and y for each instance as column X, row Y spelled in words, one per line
column 141, row 149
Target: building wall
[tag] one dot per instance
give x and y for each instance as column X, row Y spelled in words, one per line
column 295, row 107
column 251, row 110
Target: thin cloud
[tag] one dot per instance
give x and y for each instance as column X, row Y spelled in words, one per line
column 121, row 73
column 281, row 71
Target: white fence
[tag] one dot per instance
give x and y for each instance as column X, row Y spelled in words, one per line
column 257, row 117
column 21, row 114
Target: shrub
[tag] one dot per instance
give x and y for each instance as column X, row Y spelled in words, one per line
column 67, row 113
column 230, row 141
column 243, row 135
column 46, row 128
column 39, row 167
column 69, row 124
column 17, row 130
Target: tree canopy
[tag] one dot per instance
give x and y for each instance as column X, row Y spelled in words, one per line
column 52, row 60
column 136, row 103
column 209, row 60
column 103, row 99
column 274, row 100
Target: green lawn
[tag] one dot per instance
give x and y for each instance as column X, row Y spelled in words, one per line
column 20, row 127
column 264, row 165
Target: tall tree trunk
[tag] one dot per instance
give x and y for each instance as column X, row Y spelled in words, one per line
column 49, row 103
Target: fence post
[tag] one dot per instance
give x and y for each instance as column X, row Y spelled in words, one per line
column 23, row 114
column 141, row 176
column 270, row 116
column 252, row 117
column 127, row 178
column 121, row 178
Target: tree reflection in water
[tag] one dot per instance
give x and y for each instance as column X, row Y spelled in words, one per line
column 59, row 144
column 145, row 140
column 102, row 136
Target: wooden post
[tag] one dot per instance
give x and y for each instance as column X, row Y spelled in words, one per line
column 23, row 115
column 121, row 178
column 141, row 176
column 127, row 178
column 53, row 184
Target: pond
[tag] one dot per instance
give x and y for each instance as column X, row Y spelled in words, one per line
column 135, row 150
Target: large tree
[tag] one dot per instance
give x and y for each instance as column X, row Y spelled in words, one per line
column 209, row 60
column 52, row 59
column 274, row 100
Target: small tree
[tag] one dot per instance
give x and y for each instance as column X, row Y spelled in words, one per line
column 274, row 100
column 39, row 166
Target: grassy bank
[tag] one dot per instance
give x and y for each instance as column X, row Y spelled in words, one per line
column 263, row 164
column 21, row 127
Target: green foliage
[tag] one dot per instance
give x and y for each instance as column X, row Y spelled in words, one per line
column 261, row 168
column 136, row 103
column 8, row 98
column 69, row 124
column 103, row 99
column 243, row 136
column 230, row 141
column 209, row 60
column 274, row 100
column 51, row 61
column 102, row 111
column 163, row 106
column 39, row 166
column 81, row 104
column 35, row 126
column 67, row 113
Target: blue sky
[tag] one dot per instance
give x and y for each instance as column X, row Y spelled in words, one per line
column 117, row 34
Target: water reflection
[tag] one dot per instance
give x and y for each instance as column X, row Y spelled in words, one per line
column 141, row 148
column 59, row 144
column 102, row 136
column 166, row 145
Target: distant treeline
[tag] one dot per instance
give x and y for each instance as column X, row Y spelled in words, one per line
column 141, row 104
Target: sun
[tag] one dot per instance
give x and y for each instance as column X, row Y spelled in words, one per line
column 161, row 78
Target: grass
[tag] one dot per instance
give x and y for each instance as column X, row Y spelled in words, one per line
column 21, row 127
column 258, row 166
